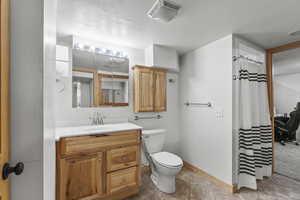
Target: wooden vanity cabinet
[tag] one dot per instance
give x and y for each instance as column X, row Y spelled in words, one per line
column 150, row 89
column 105, row 166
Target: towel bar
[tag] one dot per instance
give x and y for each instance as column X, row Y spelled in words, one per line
column 198, row 104
column 152, row 117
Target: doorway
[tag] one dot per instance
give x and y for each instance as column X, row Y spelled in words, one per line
column 4, row 98
column 283, row 64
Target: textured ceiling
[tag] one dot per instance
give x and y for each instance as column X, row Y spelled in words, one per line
column 124, row 22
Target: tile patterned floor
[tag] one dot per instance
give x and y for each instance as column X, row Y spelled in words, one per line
column 192, row 186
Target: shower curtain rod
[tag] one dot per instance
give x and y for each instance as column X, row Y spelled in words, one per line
column 235, row 58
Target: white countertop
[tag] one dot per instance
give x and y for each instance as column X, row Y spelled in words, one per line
column 93, row 130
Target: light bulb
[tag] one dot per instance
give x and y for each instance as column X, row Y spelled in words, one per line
column 92, row 48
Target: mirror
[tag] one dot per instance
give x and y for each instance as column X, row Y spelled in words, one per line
column 100, row 78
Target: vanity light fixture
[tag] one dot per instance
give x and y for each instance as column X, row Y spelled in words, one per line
column 117, row 60
column 92, row 48
column 80, row 46
column 99, row 50
column 86, row 48
column 122, row 54
column 109, row 52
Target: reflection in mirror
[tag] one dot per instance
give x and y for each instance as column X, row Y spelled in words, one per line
column 120, row 88
column 114, row 89
column 100, row 78
column 106, row 89
column 83, row 88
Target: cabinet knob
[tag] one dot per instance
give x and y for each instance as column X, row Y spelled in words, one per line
column 124, row 158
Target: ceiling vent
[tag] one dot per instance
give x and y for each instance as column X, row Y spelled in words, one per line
column 164, row 10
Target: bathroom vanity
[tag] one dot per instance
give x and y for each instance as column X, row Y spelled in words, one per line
column 98, row 162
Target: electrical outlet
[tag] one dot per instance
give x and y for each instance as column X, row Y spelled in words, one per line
column 219, row 113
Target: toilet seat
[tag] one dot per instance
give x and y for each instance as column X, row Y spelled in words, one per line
column 167, row 159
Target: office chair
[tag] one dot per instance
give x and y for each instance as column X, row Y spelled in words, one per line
column 286, row 129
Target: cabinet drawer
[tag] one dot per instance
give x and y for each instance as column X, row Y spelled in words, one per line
column 83, row 144
column 122, row 158
column 122, row 180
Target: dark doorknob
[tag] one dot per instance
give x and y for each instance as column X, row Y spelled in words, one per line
column 7, row 170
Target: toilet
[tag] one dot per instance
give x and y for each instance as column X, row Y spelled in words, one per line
column 164, row 165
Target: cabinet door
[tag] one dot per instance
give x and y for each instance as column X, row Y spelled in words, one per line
column 81, row 177
column 160, row 97
column 143, row 90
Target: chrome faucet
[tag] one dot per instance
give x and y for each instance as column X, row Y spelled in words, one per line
column 97, row 118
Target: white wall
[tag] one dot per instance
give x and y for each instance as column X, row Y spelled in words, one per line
column 49, row 97
column 27, row 97
column 205, row 139
column 68, row 116
column 162, row 56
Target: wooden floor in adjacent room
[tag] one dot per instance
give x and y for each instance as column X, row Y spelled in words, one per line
column 192, row 186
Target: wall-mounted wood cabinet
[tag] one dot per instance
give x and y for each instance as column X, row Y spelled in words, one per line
column 160, row 98
column 102, row 167
column 150, row 89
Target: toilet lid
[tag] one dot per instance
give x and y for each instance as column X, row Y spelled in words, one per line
column 167, row 159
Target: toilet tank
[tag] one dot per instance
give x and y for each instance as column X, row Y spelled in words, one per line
column 154, row 139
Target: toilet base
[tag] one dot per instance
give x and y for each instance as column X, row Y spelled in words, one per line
column 165, row 184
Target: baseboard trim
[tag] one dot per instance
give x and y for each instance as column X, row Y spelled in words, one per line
column 230, row 188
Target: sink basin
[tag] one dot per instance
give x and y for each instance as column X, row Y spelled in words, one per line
column 93, row 129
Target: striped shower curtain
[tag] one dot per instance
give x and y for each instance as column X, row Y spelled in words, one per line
column 252, row 123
